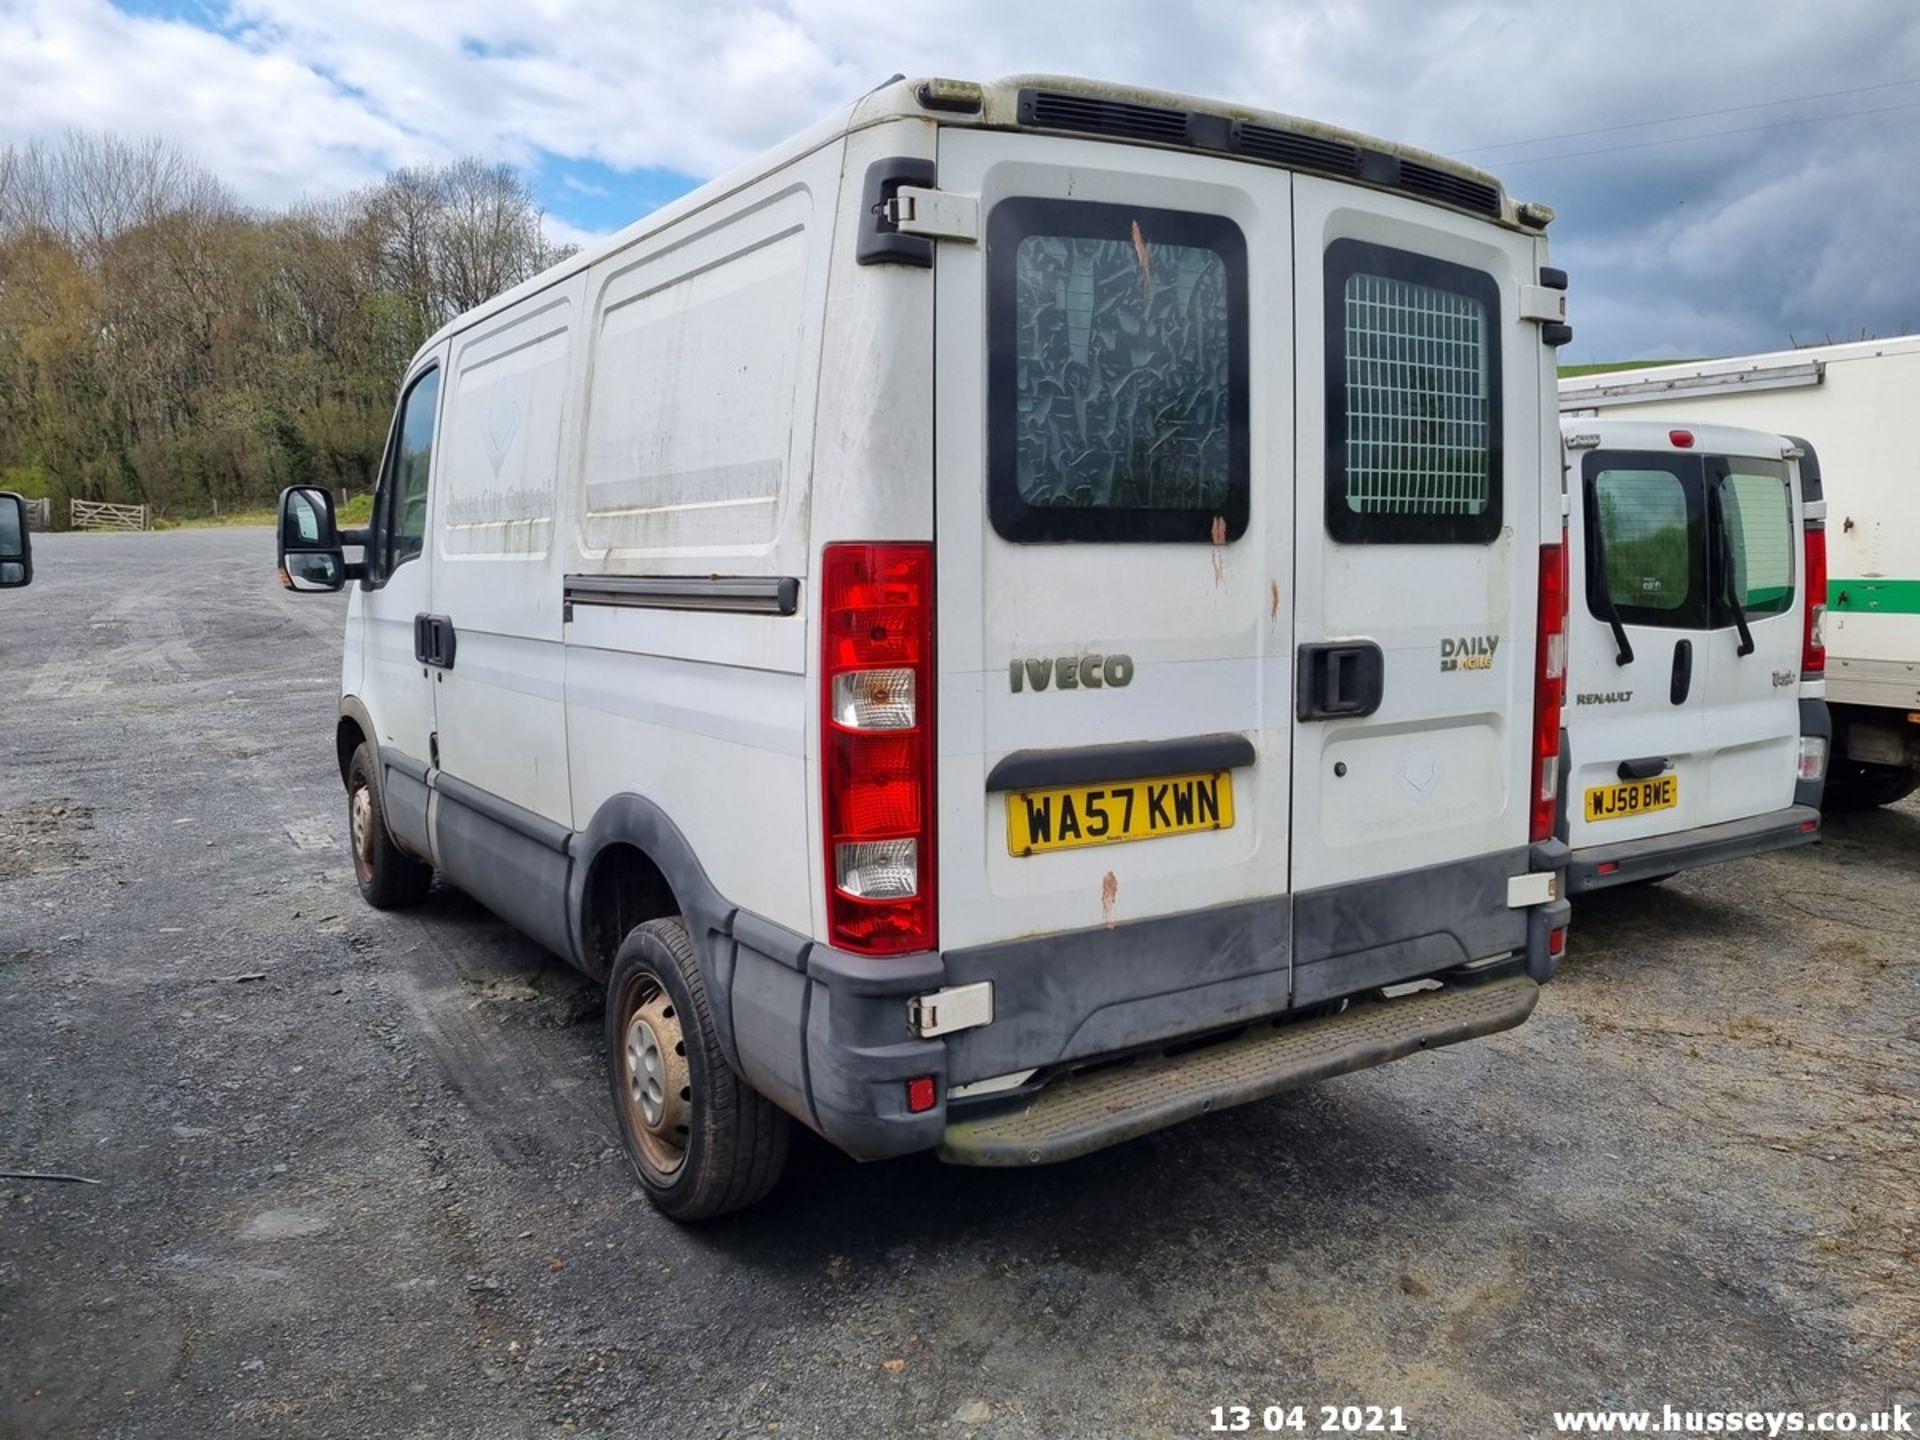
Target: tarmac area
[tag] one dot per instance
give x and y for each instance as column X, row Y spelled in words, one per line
column 358, row 1173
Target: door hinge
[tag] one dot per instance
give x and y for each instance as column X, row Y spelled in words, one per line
column 937, row 214
column 1542, row 304
column 959, row 1007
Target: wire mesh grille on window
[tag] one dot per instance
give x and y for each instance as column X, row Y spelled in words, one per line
column 1417, row 412
column 1123, row 374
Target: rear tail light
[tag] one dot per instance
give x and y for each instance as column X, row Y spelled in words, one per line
column 876, row 745
column 1549, row 687
column 1813, row 647
column 1813, row 757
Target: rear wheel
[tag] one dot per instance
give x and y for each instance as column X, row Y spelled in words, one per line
column 389, row 878
column 1857, row 785
column 701, row 1140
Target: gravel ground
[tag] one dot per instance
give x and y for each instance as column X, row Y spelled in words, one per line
column 359, row 1174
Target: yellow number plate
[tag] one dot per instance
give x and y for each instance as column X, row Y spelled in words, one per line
column 1075, row 815
column 1636, row 797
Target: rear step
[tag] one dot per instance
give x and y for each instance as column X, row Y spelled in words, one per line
column 1080, row 1114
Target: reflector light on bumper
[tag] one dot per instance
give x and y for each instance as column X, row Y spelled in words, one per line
column 1813, row 757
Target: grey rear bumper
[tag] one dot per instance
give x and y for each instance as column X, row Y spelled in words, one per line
column 1658, row 855
column 826, row 1034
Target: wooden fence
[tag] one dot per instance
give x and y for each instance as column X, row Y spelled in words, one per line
column 97, row 515
column 40, row 514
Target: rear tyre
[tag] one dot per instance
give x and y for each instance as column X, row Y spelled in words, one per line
column 702, row 1141
column 389, row 878
column 1856, row 785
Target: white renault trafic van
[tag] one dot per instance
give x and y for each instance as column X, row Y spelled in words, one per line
column 1696, row 728
column 1030, row 613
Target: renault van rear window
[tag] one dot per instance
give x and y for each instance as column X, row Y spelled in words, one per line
column 1645, row 553
column 1116, row 373
column 1413, row 397
column 1758, row 511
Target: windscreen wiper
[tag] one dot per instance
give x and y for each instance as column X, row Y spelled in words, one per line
column 1718, row 518
column 1622, row 647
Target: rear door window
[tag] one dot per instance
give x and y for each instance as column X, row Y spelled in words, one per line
column 1645, row 539
column 1413, row 398
column 1116, row 373
column 1758, row 511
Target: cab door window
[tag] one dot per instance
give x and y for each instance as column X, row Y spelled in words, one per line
column 403, row 503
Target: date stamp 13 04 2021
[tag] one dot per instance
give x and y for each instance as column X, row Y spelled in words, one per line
column 1281, row 1419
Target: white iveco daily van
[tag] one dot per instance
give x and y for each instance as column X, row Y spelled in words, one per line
column 1696, row 730
column 1023, row 578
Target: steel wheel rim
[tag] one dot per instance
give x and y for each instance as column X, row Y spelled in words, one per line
column 360, row 826
column 655, row 1085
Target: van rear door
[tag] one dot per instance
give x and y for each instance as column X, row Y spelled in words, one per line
column 1420, row 520
column 1114, row 476
column 1752, row 707
column 1639, row 643
column 1686, row 638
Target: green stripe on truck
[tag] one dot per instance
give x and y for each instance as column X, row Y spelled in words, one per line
column 1887, row 597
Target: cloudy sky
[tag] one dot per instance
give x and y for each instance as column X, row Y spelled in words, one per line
column 1730, row 174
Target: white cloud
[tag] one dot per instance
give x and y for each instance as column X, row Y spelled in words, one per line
column 293, row 98
column 563, row 232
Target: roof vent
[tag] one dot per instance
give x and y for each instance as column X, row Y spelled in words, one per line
column 1058, row 110
column 1291, row 147
column 1451, row 188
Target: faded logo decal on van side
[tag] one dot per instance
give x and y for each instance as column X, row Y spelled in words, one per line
column 1468, row 652
column 1071, row 672
column 1783, row 678
column 1603, row 697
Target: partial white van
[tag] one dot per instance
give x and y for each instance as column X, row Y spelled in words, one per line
column 1853, row 402
column 1696, row 731
column 1023, row 580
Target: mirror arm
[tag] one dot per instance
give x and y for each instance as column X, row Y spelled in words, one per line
column 353, row 570
column 360, row 538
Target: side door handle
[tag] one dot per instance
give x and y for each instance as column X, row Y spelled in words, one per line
column 1339, row 679
column 433, row 640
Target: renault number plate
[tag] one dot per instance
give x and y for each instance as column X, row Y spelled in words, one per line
column 1635, row 797
column 1075, row 815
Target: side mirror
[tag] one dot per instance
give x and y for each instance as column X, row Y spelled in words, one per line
column 310, row 554
column 16, row 544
